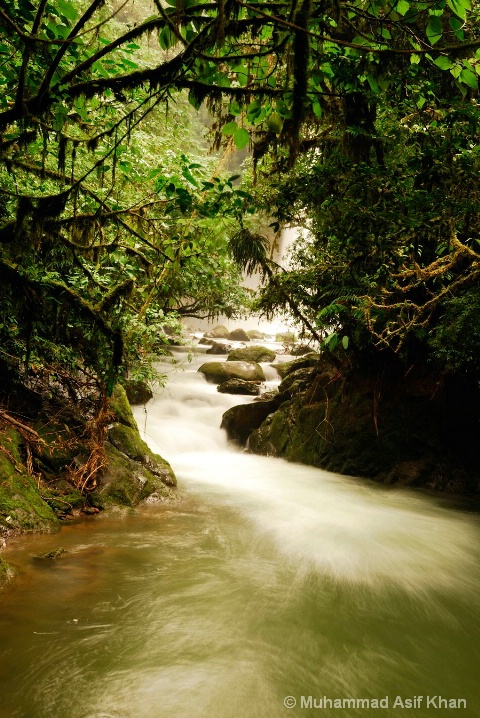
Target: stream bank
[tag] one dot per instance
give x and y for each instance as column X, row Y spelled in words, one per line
column 40, row 461
column 414, row 428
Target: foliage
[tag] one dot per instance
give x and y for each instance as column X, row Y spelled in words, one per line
column 103, row 220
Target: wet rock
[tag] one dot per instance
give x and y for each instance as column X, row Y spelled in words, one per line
column 255, row 353
column 218, row 332
column 53, row 555
column 205, row 342
column 255, row 334
column 239, row 386
column 219, row 348
column 127, row 482
column 128, row 442
column 241, row 420
column 219, row 372
column 121, row 408
column 286, row 368
column 239, row 335
column 6, row 572
column 138, row 392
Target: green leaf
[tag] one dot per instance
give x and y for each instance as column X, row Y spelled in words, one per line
column 229, row 129
column 345, row 341
column 444, row 63
column 434, row 29
column 458, row 7
column 241, row 138
column 468, row 77
column 67, row 9
column 402, row 7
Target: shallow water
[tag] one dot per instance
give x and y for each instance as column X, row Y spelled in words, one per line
column 265, row 580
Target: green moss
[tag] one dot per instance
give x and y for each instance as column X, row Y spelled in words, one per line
column 255, row 354
column 121, row 408
column 21, row 505
column 6, row 572
column 286, row 368
column 126, row 482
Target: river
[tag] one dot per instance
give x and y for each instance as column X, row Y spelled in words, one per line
column 266, row 583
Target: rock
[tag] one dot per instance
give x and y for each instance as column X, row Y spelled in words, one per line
column 285, row 337
column 205, row 342
column 255, row 334
column 6, row 572
column 255, row 353
column 22, row 508
column 295, row 380
column 130, row 443
column 53, row 555
column 218, row 372
column 121, row 408
column 219, row 348
column 239, row 386
column 218, row 332
column 241, row 420
column 127, row 482
column 138, row 392
column 239, row 335
column 299, row 350
column 285, row 368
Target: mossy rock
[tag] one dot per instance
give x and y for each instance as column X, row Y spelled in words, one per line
column 255, row 335
column 126, row 482
column 218, row 332
column 241, row 420
column 65, row 499
column 6, row 572
column 21, row 505
column 239, row 335
column 219, row 348
column 218, row 372
column 256, row 354
column 120, row 406
column 239, row 386
column 130, row 443
column 138, row 392
column 286, row 368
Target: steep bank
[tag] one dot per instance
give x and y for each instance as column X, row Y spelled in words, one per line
column 43, row 479
column 411, row 428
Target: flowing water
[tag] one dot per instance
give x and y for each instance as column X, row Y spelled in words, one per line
column 265, row 583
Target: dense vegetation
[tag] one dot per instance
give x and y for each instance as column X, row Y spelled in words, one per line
column 362, row 119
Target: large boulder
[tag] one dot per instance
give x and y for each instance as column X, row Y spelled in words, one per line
column 218, row 372
column 127, row 482
column 218, row 332
column 138, row 392
column 239, row 386
column 219, row 348
column 255, row 334
column 241, row 420
column 129, row 442
column 239, row 335
column 286, row 368
column 254, row 353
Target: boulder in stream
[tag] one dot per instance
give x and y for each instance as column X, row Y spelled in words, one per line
column 255, row 353
column 218, row 332
column 239, row 335
column 217, row 372
column 219, row 348
column 138, row 392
